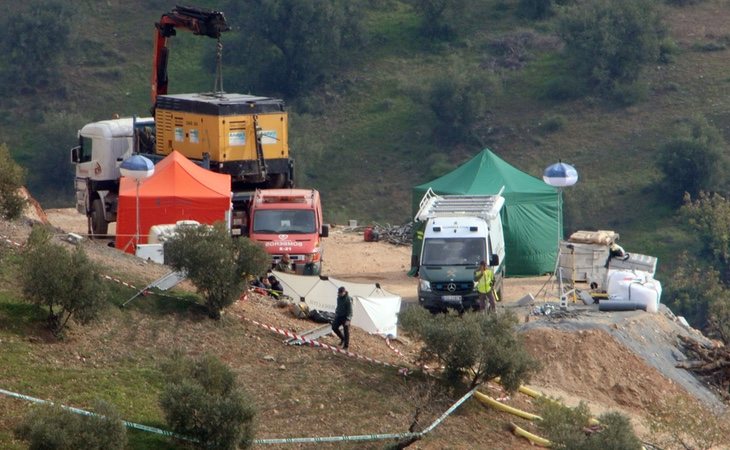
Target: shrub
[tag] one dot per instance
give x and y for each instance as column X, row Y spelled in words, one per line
column 692, row 288
column 607, row 42
column 55, row 428
column 438, row 164
column 52, row 177
column 667, row 50
column 290, row 46
column 682, row 2
column 67, row 284
column 693, row 160
column 458, row 101
column 568, row 428
column 552, row 123
column 709, row 47
column 44, row 45
column 439, row 17
column 202, row 401
column 474, row 346
column 12, row 177
column 217, row 264
column 535, row 9
column 676, row 422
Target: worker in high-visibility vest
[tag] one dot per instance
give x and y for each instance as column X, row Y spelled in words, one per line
column 484, row 279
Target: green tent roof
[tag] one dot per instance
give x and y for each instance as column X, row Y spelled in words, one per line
column 531, row 215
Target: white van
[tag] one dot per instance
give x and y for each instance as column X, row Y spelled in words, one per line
column 460, row 232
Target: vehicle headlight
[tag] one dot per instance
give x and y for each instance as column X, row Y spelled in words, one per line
column 424, row 285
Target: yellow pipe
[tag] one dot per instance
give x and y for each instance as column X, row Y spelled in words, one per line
column 531, row 392
column 489, row 401
column 533, row 438
column 535, row 394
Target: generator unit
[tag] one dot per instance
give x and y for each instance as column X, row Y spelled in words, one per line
column 244, row 136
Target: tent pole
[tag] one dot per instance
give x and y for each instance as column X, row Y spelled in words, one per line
column 136, row 239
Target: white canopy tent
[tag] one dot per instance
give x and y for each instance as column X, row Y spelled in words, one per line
column 374, row 309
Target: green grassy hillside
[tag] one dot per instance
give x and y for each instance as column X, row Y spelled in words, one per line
column 366, row 136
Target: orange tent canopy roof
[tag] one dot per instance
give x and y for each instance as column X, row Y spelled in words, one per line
column 177, row 176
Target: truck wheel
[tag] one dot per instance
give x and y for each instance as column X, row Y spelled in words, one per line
column 99, row 225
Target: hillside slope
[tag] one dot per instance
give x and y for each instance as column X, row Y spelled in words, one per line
column 303, row 391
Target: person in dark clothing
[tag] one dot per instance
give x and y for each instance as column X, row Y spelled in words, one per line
column 284, row 264
column 260, row 285
column 310, row 268
column 276, row 288
column 343, row 316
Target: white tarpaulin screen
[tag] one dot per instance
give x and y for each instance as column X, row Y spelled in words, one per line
column 374, row 309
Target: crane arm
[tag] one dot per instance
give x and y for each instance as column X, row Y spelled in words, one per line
column 199, row 21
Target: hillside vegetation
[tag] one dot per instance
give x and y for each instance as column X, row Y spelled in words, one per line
column 392, row 93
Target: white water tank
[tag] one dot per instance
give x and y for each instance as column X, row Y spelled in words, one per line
column 159, row 232
column 636, row 287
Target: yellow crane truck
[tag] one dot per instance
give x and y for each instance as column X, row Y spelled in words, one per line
column 244, row 136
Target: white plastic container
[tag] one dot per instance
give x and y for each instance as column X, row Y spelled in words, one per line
column 637, row 287
column 158, row 232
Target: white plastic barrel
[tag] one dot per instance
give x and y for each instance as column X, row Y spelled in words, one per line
column 156, row 231
column 635, row 287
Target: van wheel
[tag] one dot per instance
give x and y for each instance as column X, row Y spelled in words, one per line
column 99, row 225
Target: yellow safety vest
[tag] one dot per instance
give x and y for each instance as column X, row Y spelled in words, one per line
column 484, row 280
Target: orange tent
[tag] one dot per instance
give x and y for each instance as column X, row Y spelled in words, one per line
column 178, row 190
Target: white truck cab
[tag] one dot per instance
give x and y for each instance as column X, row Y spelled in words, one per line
column 460, row 232
column 103, row 146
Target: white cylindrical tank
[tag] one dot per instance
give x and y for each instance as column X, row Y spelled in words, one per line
column 158, row 232
column 629, row 286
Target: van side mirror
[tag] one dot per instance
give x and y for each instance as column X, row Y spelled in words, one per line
column 494, row 260
column 75, row 154
column 325, row 230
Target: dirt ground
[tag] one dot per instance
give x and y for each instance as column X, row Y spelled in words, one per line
column 618, row 361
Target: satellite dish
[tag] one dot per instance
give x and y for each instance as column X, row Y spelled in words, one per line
column 137, row 167
column 560, row 175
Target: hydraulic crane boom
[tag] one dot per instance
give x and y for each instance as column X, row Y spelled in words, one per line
column 199, row 21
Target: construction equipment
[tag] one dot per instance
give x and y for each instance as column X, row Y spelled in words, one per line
column 244, row 136
column 196, row 20
column 459, row 231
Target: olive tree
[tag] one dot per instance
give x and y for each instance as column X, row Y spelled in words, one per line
column 216, row 263
column 709, row 216
column 51, row 427
column 693, row 160
column 203, row 401
column 475, row 347
column 567, row 427
column 34, row 39
column 66, row 283
column 289, row 46
column 459, row 101
column 607, row 42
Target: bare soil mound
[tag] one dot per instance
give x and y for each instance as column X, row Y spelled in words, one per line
column 593, row 365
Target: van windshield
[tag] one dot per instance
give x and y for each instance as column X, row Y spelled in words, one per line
column 453, row 251
column 284, row 221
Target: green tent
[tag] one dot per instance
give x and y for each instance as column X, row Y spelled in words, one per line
column 531, row 216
